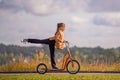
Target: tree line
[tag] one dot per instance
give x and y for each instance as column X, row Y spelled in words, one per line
column 84, row 54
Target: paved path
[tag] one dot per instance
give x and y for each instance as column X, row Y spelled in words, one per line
column 62, row 72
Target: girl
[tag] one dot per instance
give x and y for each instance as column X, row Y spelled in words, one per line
column 56, row 41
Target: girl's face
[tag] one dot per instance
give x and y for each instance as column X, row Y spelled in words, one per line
column 62, row 27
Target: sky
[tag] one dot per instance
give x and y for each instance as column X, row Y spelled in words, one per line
column 89, row 23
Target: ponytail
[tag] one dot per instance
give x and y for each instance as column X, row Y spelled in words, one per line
column 58, row 26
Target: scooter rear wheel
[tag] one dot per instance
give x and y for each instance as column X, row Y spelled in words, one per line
column 41, row 68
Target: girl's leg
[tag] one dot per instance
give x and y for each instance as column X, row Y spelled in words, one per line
column 51, row 44
column 37, row 41
column 52, row 55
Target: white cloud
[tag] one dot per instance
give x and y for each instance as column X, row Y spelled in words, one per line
column 103, row 6
column 108, row 19
column 47, row 7
column 76, row 19
column 43, row 7
column 39, row 7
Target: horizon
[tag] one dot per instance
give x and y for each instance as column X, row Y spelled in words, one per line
column 42, row 45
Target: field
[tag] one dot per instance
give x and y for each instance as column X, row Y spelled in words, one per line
column 90, row 59
column 60, row 77
column 25, row 67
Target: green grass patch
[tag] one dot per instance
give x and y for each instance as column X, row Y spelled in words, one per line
column 60, row 77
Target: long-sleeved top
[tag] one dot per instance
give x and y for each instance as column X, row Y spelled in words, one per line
column 59, row 39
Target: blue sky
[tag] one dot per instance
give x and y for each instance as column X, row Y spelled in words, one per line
column 90, row 23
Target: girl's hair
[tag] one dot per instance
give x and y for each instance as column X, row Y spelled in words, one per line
column 58, row 26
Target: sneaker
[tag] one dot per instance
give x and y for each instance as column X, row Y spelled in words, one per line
column 55, row 68
column 24, row 40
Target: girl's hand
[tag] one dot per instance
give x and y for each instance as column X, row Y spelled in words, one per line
column 65, row 41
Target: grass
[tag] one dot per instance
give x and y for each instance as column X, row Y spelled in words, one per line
column 23, row 67
column 31, row 66
column 60, row 77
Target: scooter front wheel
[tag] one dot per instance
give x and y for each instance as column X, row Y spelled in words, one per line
column 41, row 68
column 73, row 67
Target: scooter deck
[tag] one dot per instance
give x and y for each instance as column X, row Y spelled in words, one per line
column 56, row 71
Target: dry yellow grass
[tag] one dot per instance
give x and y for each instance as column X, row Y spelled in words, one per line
column 31, row 66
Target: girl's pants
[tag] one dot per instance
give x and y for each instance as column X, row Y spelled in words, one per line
column 51, row 44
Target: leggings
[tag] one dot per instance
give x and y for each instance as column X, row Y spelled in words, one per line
column 51, row 44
